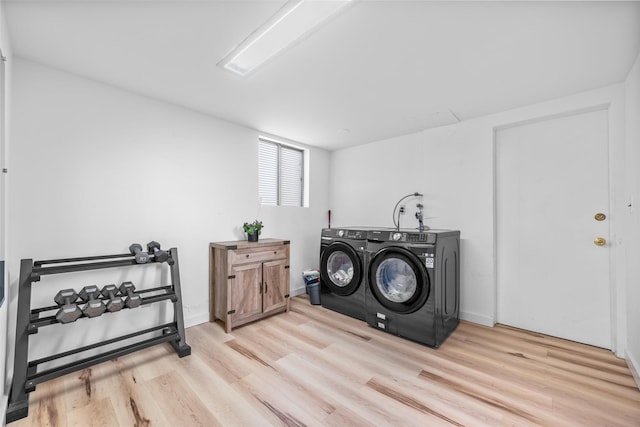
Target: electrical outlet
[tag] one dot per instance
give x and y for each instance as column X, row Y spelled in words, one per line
column 401, row 210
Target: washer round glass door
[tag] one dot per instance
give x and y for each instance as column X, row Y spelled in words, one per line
column 340, row 268
column 398, row 280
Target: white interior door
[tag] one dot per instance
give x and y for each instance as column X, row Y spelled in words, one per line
column 3, row 166
column 551, row 181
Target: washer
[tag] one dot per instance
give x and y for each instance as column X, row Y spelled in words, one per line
column 413, row 283
column 342, row 270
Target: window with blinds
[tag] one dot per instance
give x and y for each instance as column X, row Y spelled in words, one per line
column 280, row 174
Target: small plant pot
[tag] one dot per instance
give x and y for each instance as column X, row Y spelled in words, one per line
column 253, row 237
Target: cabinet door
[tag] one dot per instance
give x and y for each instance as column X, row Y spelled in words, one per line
column 244, row 291
column 275, row 285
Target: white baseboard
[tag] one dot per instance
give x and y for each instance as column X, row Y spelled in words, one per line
column 297, row 291
column 3, row 408
column 199, row 318
column 196, row 319
column 478, row 318
column 634, row 367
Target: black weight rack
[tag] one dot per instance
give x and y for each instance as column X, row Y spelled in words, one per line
column 26, row 375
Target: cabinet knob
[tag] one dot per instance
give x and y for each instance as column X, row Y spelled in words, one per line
column 247, row 255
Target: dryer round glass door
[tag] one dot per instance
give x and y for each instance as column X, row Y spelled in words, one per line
column 340, row 268
column 398, row 280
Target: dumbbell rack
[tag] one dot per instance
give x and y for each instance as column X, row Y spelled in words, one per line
column 26, row 375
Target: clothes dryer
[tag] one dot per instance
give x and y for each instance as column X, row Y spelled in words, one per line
column 413, row 283
column 342, row 270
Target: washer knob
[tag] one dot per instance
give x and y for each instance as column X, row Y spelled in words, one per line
column 396, row 236
column 340, row 233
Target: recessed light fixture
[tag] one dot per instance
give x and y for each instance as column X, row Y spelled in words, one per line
column 296, row 19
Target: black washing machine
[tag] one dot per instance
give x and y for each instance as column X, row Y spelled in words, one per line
column 342, row 270
column 413, row 283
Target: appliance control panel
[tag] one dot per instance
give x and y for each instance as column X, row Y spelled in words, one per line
column 356, row 234
column 401, row 236
column 418, row 237
column 352, row 234
column 344, row 233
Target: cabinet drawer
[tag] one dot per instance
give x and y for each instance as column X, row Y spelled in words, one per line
column 241, row 256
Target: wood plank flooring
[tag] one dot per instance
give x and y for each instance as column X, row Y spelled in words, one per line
column 314, row 367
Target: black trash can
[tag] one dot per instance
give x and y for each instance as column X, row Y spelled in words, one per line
column 312, row 282
column 313, row 289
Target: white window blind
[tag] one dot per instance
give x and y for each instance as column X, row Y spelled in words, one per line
column 268, row 173
column 280, row 174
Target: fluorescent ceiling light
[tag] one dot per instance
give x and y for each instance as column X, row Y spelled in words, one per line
column 293, row 21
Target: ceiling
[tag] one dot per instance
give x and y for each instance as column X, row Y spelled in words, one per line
column 378, row 70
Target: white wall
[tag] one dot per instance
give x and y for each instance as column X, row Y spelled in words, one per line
column 453, row 167
column 95, row 168
column 632, row 97
column 4, row 251
column 444, row 165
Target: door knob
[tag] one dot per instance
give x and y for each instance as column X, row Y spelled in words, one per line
column 600, row 241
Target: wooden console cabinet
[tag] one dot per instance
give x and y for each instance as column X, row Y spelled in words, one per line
column 248, row 280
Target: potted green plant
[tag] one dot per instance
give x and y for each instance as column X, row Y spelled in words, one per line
column 253, row 230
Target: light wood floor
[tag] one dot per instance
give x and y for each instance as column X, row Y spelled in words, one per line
column 314, row 367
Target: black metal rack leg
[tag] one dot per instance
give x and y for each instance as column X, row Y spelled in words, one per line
column 180, row 345
column 18, row 397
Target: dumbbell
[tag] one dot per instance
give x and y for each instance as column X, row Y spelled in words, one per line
column 94, row 307
column 141, row 257
column 154, row 248
column 69, row 311
column 115, row 302
column 132, row 300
